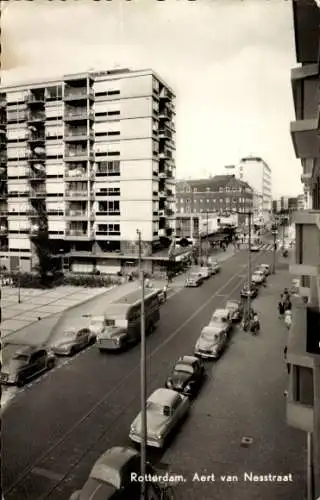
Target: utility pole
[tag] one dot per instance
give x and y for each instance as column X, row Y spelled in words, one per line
column 143, row 381
column 274, row 233
column 249, row 262
column 200, row 241
column 207, row 237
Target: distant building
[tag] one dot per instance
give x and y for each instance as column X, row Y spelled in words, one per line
column 303, row 401
column 301, row 202
column 255, row 171
column 220, row 194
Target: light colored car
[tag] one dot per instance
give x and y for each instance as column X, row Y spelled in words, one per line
column 72, row 341
column 111, row 478
column 193, row 280
column 96, row 326
column 203, row 271
column 255, row 248
column 214, row 267
column 258, row 277
column 235, row 309
column 212, row 341
column 222, row 317
column 265, row 268
column 165, row 411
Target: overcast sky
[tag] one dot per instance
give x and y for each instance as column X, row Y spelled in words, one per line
column 228, row 61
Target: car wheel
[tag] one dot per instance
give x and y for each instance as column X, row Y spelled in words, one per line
column 20, row 382
column 72, row 351
column 50, row 364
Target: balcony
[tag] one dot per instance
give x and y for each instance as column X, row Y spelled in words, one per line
column 78, row 115
column 169, row 212
column 305, row 262
column 78, row 155
column 35, row 99
column 78, row 214
column 165, row 94
column 3, row 159
column 36, row 138
column 79, row 135
column 164, row 114
column 79, row 174
column 305, row 137
column 164, row 133
column 34, row 158
column 3, row 230
column 71, row 193
column 36, row 174
column 37, row 193
column 170, row 193
column 31, row 213
column 78, row 94
column 79, row 234
column 3, row 213
column 162, row 194
column 36, row 117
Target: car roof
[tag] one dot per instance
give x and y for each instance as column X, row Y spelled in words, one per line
column 231, row 301
column 187, row 359
column 27, row 350
column 221, row 310
column 116, row 457
column 212, row 328
column 163, row 396
column 264, row 265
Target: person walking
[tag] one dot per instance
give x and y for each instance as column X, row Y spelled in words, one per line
column 288, row 318
column 281, row 307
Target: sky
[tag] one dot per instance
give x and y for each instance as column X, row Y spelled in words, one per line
column 228, row 62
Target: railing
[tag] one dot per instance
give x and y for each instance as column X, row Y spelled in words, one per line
column 3, row 230
column 3, row 158
column 78, row 132
column 35, row 98
column 36, row 173
column 78, row 114
column 78, row 93
column 165, row 132
column 78, row 232
column 75, row 173
column 36, row 116
column 36, row 137
column 71, row 192
column 71, row 213
column 162, row 194
column 32, row 213
column 33, row 193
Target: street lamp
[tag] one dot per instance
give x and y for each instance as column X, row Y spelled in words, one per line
column 143, row 380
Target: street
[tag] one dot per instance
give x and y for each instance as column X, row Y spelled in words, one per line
column 56, row 427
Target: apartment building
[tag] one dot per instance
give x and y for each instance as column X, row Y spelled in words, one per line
column 303, row 402
column 90, row 159
column 257, row 173
column 220, row 194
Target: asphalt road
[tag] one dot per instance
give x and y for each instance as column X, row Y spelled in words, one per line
column 56, row 428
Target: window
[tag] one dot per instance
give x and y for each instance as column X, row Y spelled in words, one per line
column 303, row 385
column 221, row 189
column 305, row 281
column 208, row 189
column 109, row 207
column 109, row 192
column 195, row 190
column 111, row 229
column 108, row 168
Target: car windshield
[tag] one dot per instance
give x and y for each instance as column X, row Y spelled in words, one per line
column 155, row 407
column 182, row 367
column 22, row 358
column 69, row 334
column 106, row 474
column 211, row 336
column 219, row 316
column 96, row 322
column 194, row 275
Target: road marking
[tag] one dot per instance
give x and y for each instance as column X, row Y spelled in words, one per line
column 47, row 473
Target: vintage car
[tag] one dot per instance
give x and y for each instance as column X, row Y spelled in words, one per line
column 255, row 248
column 265, row 268
column 114, row 477
column 26, row 362
column 235, row 309
column 203, row 271
column 249, row 291
column 96, row 326
column 71, row 341
column 212, row 341
column 193, row 280
column 166, row 409
column 222, row 317
column 214, row 267
column 258, row 278
column 187, row 376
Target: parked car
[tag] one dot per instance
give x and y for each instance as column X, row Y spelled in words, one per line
column 235, row 309
column 222, row 317
column 212, row 342
column 255, row 248
column 165, row 411
column 27, row 362
column 112, row 478
column 249, row 291
column 187, row 376
column 258, row 278
column 203, row 271
column 193, row 280
column 96, row 326
column 72, row 341
column 265, row 268
column 214, row 267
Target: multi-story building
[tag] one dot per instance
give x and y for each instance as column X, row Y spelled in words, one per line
column 90, row 159
column 220, row 194
column 301, row 202
column 303, row 401
column 257, row 174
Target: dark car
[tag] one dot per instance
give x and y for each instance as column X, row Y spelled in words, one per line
column 115, row 475
column 249, row 291
column 26, row 363
column 187, row 376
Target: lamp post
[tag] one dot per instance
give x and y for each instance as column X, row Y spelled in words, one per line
column 143, row 380
column 274, row 234
column 249, row 261
column 207, row 237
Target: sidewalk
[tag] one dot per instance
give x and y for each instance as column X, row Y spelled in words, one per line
column 243, row 398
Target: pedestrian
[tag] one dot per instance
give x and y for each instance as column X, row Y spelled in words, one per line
column 285, row 351
column 288, row 305
column 281, row 308
column 165, row 289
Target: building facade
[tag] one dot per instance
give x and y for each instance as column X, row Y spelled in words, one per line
column 257, row 173
column 86, row 161
column 221, row 194
column 303, row 402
